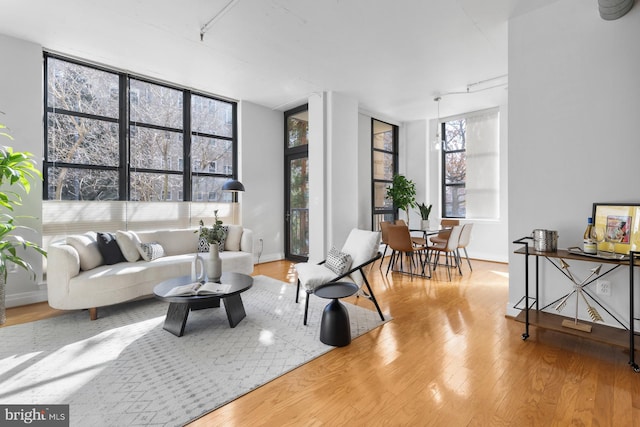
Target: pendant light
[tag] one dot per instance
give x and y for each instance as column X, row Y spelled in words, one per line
column 437, row 143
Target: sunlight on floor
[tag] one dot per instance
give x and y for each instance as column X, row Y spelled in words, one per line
column 504, row 274
column 73, row 360
column 266, row 337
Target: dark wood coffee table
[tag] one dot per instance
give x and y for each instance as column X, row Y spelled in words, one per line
column 180, row 306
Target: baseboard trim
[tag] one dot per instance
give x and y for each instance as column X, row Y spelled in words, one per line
column 26, row 298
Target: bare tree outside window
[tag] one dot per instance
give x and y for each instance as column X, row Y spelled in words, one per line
column 111, row 136
column 82, row 128
column 454, row 168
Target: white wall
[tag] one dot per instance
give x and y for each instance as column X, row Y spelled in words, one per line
column 21, row 103
column 364, row 171
column 317, row 182
column 261, row 171
column 334, row 174
column 416, row 167
column 342, row 171
column 574, row 102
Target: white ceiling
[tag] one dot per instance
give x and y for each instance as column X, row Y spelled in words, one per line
column 393, row 56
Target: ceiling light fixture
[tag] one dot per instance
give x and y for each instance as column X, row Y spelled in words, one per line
column 438, row 139
column 482, row 85
column 206, row 27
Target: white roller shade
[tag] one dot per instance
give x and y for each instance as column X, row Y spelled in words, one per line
column 483, row 165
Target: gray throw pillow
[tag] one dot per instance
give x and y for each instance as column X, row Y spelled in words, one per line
column 338, row 262
column 151, row 251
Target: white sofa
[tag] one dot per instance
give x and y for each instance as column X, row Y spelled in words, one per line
column 77, row 278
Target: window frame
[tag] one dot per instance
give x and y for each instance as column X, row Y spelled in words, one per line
column 124, row 168
column 443, row 178
column 381, row 212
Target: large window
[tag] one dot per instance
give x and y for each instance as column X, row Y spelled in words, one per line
column 384, row 165
column 114, row 136
column 470, row 166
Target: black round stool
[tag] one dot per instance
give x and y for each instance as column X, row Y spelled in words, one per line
column 335, row 328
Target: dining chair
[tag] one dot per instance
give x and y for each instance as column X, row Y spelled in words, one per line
column 384, row 239
column 465, row 237
column 449, row 248
column 418, row 241
column 401, row 244
column 443, row 235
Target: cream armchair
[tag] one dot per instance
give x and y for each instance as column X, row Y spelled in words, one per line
column 360, row 250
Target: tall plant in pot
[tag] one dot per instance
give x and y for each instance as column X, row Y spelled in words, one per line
column 16, row 169
column 402, row 193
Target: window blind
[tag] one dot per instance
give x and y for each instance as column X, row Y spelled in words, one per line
column 483, row 165
column 62, row 217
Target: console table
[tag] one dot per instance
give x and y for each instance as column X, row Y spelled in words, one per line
column 538, row 317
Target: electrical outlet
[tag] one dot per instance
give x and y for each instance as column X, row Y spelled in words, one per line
column 603, row 287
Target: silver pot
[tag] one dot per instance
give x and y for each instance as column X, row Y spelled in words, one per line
column 545, row 240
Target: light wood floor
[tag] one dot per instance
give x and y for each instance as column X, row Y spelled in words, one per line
column 448, row 358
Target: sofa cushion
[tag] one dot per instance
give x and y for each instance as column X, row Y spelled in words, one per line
column 109, row 249
column 151, row 251
column 222, row 242
column 338, row 262
column 234, row 234
column 203, row 245
column 128, row 242
column 87, row 247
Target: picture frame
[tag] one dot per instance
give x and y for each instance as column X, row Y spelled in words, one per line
column 618, row 227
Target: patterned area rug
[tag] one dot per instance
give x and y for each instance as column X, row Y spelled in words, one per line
column 124, row 369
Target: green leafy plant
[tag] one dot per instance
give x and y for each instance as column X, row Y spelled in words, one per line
column 16, row 168
column 214, row 234
column 424, row 210
column 402, row 193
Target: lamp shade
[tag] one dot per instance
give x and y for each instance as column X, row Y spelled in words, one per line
column 233, row 185
column 613, row 9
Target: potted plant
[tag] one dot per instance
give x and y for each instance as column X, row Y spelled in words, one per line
column 215, row 237
column 424, row 211
column 215, row 234
column 402, row 193
column 16, row 168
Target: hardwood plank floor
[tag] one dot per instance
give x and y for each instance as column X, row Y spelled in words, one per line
column 448, row 358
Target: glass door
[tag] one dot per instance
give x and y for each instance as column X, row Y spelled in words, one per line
column 384, row 158
column 297, row 183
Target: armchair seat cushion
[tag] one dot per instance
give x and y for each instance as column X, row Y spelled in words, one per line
column 313, row 275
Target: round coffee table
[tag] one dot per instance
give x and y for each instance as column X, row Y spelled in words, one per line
column 180, row 306
column 335, row 328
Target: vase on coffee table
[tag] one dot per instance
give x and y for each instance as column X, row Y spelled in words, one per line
column 213, row 264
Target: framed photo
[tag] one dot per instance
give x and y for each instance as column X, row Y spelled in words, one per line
column 617, row 226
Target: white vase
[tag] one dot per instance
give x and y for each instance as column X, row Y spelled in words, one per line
column 425, row 224
column 213, row 264
column 197, row 269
